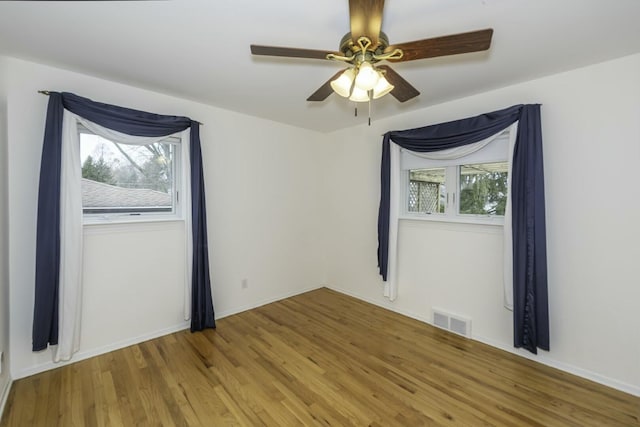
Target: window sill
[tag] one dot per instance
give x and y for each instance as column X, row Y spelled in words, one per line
column 459, row 219
column 128, row 220
column 127, row 227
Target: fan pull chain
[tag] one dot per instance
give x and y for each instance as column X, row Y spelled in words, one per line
column 370, row 96
column 356, row 108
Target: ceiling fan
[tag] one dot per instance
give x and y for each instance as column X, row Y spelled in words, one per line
column 366, row 45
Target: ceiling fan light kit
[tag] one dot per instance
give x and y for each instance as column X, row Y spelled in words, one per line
column 367, row 77
column 359, row 95
column 343, row 84
column 382, row 88
column 363, row 81
column 366, row 45
column 359, row 85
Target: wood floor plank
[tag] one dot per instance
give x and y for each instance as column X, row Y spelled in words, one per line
column 316, row 359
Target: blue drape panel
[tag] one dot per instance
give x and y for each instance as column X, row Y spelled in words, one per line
column 383, row 209
column 45, row 312
column 132, row 122
column 202, row 315
column 530, row 298
column 530, row 313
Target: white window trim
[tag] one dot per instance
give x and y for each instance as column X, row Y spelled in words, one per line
column 395, row 206
column 178, row 211
column 495, row 151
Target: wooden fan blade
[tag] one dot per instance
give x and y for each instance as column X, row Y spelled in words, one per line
column 403, row 91
column 325, row 90
column 290, row 52
column 366, row 19
column 473, row 41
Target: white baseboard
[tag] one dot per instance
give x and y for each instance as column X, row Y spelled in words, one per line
column 374, row 302
column 5, row 396
column 540, row 357
column 260, row 303
column 82, row 355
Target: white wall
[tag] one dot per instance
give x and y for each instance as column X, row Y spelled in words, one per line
column 5, row 378
column 591, row 132
column 264, row 219
column 277, row 195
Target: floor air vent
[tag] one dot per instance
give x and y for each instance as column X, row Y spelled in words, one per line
column 451, row 322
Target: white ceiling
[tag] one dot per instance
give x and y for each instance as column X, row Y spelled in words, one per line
column 199, row 49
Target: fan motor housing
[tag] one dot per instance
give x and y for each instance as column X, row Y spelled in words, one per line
column 348, row 47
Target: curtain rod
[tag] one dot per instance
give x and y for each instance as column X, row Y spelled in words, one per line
column 46, row 92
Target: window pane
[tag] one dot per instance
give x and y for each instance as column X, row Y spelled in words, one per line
column 120, row 178
column 483, row 188
column 426, row 191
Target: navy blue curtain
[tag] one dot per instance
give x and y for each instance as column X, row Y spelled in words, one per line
column 132, row 122
column 45, row 313
column 202, row 315
column 530, row 311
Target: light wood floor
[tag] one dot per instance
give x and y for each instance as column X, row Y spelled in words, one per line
column 320, row 358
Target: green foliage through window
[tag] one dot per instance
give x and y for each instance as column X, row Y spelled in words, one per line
column 483, row 189
column 97, row 170
column 146, row 166
column 141, row 176
column 478, row 189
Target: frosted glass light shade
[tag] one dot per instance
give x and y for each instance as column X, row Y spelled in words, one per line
column 367, row 77
column 359, row 95
column 382, row 88
column 342, row 85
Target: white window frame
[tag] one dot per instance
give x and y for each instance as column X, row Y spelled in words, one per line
column 496, row 151
column 177, row 212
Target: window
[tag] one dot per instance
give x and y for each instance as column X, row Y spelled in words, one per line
column 122, row 182
column 483, row 188
column 427, row 190
column 469, row 189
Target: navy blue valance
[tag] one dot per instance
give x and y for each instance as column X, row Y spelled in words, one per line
column 128, row 121
column 530, row 311
column 125, row 120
